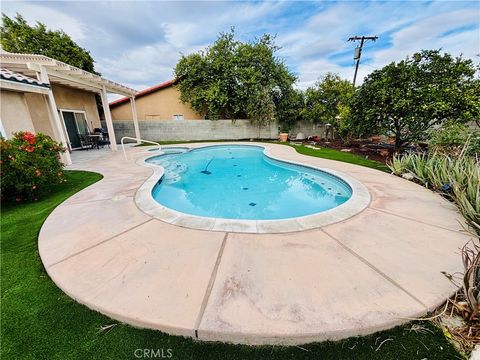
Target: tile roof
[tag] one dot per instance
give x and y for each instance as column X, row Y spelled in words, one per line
column 6, row 74
column 144, row 92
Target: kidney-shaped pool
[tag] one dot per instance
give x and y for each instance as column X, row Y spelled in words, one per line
column 241, row 182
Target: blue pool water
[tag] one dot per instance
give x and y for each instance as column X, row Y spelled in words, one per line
column 240, row 182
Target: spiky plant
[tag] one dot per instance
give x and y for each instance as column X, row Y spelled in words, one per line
column 456, row 178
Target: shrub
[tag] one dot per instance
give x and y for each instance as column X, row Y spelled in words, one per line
column 29, row 165
column 474, row 144
column 450, row 134
column 452, row 137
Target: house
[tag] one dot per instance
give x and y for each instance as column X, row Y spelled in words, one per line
column 159, row 102
column 41, row 94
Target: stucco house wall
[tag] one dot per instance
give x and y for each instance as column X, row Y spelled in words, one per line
column 15, row 114
column 38, row 108
column 29, row 111
column 68, row 98
column 159, row 105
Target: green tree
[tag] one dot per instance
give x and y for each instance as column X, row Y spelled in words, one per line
column 234, row 80
column 407, row 98
column 290, row 109
column 329, row 101
column 18, row 37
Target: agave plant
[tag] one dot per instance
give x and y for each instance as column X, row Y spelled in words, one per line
column 455, row 177
column 399, row 165
column 471, row 282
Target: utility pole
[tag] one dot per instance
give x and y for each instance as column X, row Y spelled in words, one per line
column 358, row 51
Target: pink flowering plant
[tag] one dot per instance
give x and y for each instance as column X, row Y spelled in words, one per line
column 30, row 164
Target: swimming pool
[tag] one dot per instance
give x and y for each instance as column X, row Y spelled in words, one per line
column 241, row 182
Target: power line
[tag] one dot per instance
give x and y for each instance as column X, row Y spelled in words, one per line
column 358, row 51
column 373, row 67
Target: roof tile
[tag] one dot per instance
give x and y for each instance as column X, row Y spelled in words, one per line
column 6, row 74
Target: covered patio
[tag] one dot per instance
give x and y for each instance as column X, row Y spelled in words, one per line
column 55, row 86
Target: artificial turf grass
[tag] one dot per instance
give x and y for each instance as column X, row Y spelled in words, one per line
column 40, row 322
column 337, row 155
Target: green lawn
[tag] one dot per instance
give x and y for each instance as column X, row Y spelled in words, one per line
column 38, row 321
column 333, row 154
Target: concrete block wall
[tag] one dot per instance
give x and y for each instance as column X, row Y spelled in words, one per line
column 173, row 130
column 165, row 130
column 307, row 129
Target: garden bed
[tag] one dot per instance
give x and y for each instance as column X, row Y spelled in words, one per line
column 364, row 148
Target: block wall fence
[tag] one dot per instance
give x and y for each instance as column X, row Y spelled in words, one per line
column 175, row 130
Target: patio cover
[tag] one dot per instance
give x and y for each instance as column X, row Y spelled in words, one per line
column 48, row 71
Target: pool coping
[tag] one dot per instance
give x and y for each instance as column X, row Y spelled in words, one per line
column 144, row 200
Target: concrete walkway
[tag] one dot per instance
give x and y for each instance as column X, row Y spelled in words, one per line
column 370, row 272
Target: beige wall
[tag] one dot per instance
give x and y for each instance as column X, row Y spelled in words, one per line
column 29, row 111
column 68, row 98
column 159, row 105
column 15, row 115
column 37, row 105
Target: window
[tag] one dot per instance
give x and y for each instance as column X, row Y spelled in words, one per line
column 178, row 117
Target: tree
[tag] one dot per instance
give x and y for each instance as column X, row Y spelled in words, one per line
column 236, row 80
column 329, row 101
column 407, row 98
column 290, row 109
column 18, row 37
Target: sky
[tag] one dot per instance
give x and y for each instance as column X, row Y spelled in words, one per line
column 138, row 43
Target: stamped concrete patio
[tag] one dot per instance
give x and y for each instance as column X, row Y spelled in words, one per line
column 379, row 268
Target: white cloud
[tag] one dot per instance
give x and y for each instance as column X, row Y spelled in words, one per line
column 52, row 18
column 427, row 34
column 148, row 65
column 139, row 43
column 311, row 71
column 310, row 46
column 142, row 65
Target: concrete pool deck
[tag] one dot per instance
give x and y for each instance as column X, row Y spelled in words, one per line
column 376, row 269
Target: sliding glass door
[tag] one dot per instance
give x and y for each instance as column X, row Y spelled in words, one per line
column 76, row 126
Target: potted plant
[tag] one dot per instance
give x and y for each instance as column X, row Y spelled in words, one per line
column 283, row 133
